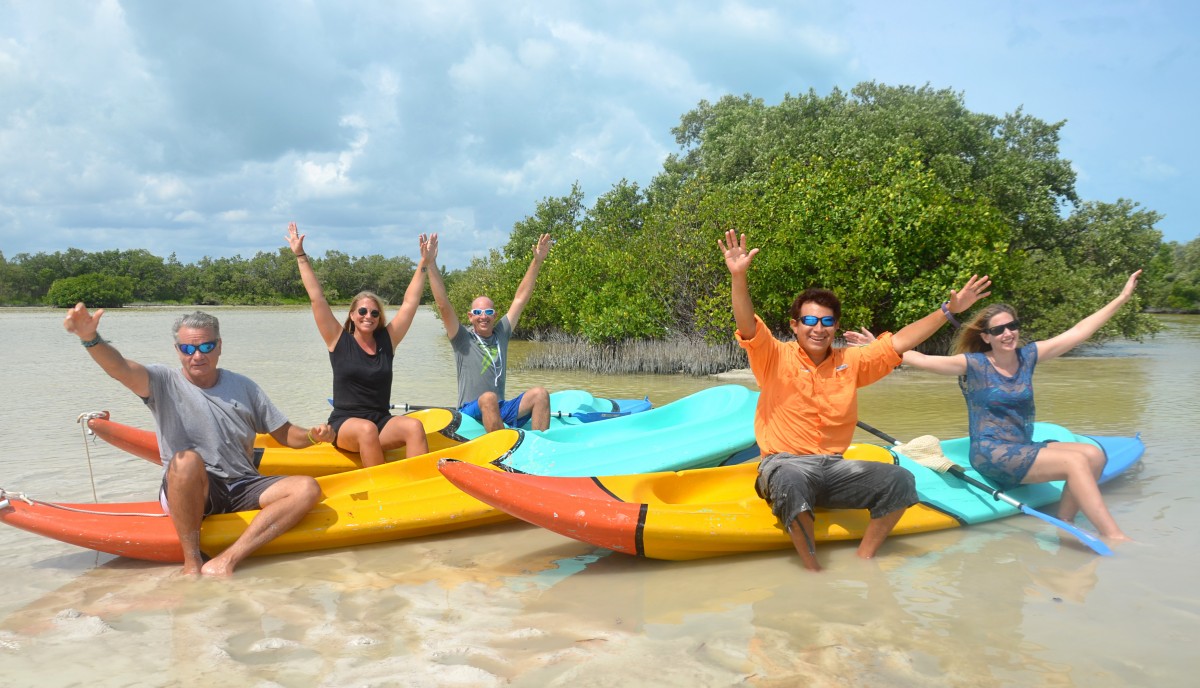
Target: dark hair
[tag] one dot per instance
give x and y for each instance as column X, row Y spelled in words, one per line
column 379, row 322
column 821, row 297
column 969, row 339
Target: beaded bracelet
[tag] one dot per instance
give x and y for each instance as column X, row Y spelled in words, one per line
column 93, row 341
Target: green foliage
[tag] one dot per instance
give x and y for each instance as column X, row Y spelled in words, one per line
column 96, row 290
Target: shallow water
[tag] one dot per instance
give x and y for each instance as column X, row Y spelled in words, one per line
column 997, row 604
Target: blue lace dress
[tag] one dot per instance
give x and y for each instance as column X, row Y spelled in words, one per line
column 1000, row 411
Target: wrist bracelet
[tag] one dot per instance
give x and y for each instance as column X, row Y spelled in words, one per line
column 301, row 255
column 92, row 342
column 949, row 316
column 310, row 437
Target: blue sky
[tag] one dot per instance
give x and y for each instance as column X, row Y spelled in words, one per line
column 203, row 128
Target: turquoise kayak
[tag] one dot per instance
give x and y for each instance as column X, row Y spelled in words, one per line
column 712, row 427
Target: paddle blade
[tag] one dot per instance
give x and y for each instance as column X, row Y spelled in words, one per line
column 1086, row 538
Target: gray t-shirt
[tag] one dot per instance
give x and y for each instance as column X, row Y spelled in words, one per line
column 219, row 423
column 480, row 361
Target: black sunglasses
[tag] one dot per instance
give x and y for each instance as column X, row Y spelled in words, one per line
column 203, row 347
column 362, row 310
column 998, row 330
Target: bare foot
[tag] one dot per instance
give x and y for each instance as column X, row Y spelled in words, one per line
column 217, row 568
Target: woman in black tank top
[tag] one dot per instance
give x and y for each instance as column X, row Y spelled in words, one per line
column 361, row 351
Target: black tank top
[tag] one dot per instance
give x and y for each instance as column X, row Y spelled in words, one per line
column 361, row 382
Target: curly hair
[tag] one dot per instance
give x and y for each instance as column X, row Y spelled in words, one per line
column 821, row 297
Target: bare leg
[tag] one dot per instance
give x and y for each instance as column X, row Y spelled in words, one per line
column 1069, row 461
column 489, row 408
column 801, row 533
column 402, row 431
column 877, row 531
column 360, row 435
column 536, row 403
column 187, row 492
column 283, row 505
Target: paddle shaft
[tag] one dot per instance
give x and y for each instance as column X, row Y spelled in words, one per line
column 553, row 414
column 1096, row 544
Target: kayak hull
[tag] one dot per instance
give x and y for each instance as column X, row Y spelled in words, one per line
column 715, row 511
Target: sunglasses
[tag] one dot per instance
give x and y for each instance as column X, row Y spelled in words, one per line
column 202, row 347
column 363, row 311
column 999, row 329
column 810, row 320
column 483, row 311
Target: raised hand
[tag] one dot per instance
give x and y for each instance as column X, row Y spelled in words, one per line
column 429, row 248
column 81, row 323
column 295, row 239
column 862, row 337
column 1130, row 285
column 976, row 288
column 542, row 248
column 737, row 258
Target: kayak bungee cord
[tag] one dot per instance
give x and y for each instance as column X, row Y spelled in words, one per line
column 82, row 420
column 6, row 497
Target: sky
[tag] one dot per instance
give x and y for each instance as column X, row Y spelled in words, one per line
column 202, row 129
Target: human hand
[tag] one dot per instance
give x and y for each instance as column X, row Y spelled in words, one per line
column 542, row 248
column 737, row 258
column 295, row 239
column 861, row 338
column 1130, row 285
column 429, row 248
column 322, row 432
column 976, row 288
column 81, row 323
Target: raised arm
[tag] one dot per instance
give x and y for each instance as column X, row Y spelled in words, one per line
column 327, row 322
column 914, row 333
column 738, row 259
column 403, row 318
column 525, row 290
column 438, row 287
column 942, row 365
column 129, row 373
column 1057, row 346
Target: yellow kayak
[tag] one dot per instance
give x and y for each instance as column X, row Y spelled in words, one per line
column 272, row 458
column 395, row 500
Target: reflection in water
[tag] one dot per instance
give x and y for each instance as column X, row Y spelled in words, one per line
column 1000, row 603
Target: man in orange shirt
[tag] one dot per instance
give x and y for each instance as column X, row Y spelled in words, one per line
column 809, row 406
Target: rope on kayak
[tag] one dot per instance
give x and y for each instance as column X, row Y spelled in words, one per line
column 6, row 497
column 82, row 420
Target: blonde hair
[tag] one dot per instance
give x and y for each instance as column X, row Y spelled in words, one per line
column 380, row 322
column 969, row 339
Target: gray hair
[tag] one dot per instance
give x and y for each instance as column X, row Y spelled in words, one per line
column 197, row 320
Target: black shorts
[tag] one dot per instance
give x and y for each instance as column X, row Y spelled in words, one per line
column 228, row 496
column 379, row 418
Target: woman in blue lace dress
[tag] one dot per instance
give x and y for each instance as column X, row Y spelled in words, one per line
column 995, row 373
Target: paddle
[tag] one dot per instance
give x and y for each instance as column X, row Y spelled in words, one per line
column 933, row 458
column 583, row 416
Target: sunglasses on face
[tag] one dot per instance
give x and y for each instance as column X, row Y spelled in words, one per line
column 202, row 347
column 483, row 311
column 362, row 310
column 810, row 320
column 999, row 329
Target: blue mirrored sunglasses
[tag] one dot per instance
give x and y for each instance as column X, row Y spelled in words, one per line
column 483, row 311
column 202, row 347
column 810, row 320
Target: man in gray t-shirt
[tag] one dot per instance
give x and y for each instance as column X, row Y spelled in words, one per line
column 481, row 350
column 206, row 419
